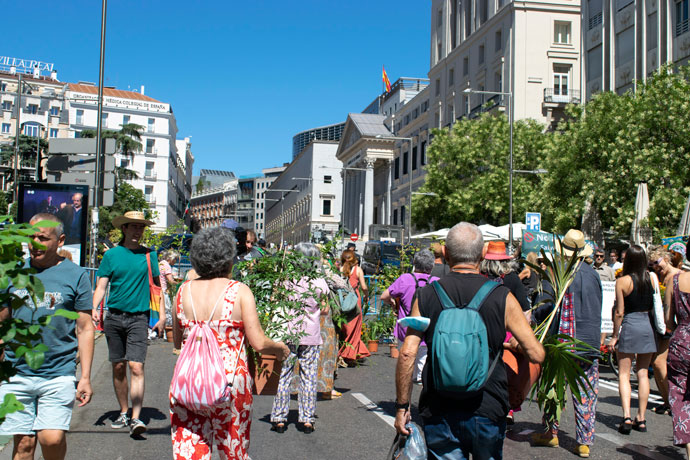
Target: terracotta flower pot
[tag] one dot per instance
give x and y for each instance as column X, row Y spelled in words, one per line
column 266, row 374
column 373, row 346
column 522, row 374
column 394, row 351
column 168, row 333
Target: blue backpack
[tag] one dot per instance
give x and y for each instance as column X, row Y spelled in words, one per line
column 460, row 347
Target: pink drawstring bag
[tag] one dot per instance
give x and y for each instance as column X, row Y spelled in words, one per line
column 199, row 381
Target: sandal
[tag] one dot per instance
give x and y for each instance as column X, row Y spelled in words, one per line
column 640, row 426
column 307, row 428
column 624, row 427
column 278, row 427
column 663, row 409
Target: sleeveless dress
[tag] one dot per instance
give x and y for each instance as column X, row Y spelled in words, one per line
column 354, row 348
column 679, row 366
column 227, row 426
column 637, row 334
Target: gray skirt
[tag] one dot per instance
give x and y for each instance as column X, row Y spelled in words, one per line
column 637, row 335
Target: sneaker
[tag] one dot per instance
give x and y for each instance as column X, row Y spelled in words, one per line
column 136, row 427
column 121, row 422
column 545, row 440
column 510, row 418
column 582, row 450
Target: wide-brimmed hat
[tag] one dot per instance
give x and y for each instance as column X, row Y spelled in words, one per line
column 131, row 217
column 496, row 250
column 574, row 241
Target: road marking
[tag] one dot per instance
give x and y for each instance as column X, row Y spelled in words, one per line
column 612, row 385
column 372, row 407
column 617, row 440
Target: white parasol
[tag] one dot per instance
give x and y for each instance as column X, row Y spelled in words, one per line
column 641, row 212
column 684, row 227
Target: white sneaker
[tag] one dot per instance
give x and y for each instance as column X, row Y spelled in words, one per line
column 121, row 422
column 136, row 427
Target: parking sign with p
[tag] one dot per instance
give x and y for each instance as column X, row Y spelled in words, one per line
column 533, row 221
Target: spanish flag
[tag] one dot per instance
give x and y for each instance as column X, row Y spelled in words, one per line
column 386, row 81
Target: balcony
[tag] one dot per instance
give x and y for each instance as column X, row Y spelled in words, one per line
column 150, row 175
column 151, row 152
column 561, row 97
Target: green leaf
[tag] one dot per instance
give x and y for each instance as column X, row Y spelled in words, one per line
column 34, row 359
column 9, row 405
column 66, row 314
column 34, row 328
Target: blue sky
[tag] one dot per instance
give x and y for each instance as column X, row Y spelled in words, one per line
column 242, row 77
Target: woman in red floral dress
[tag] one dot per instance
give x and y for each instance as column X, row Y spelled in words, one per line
column 226, row 427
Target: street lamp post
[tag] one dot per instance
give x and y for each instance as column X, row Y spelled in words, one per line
column 409, row 171
column 510, row 163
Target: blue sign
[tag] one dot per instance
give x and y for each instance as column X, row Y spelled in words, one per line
column 533, row 221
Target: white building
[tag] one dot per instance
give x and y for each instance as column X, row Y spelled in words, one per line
column 261, row 184
column 624, row 41
column 303, row 203
column 164, row 174
column 529, row 49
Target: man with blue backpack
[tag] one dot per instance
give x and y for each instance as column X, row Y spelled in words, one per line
column 464, row 400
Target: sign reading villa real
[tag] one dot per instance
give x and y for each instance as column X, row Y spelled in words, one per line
column 25, row 65
column 119, row 103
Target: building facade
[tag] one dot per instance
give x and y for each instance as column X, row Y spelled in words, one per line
column 624, row 41
column 210, row 206
column 304, row 202
column 261, row 184
column 528, row 49
column 323, row 133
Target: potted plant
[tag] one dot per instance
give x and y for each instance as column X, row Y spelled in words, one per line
column 278, row 307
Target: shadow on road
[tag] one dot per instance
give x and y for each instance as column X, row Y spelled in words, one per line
column 147, row 414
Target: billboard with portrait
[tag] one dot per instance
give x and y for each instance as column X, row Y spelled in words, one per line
column 68, row 202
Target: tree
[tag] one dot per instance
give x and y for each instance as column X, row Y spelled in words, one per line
column 127, row 198
column 200, row 185
column 605, row 148
column 27, row 153
column 127, row 143
column 468, row 170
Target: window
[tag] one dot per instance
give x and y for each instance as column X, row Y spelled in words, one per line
column 439, row 18
column 466, row 103
column 148, row 191
column 31, row 130
column 483, row 11
column 468, row 19
column 6, row 105
column 80, row 117
column 651, row 31
column 561, row 32
column 395, row 217
column 595, row 14
column 150, row 125
column 438, row 87
column 54, row 111
column 3, row 86
column 498, row 81
column 423, row 155
column 104, row 119
column 498, row 37
column 481, row 54
column 414, row 158
column 5, row 128
column 623, row 3
column 402, row 215
column 53, row 132
column 124, row 163
column 465, row 65
column 439, row 51
column 560, row 83
column 396, row 168
column 594, row 63
column 326, row 211
column 451, row 77
column 625, row 46
column 125, row 119
column 425, row 106
column 406, row 159
column 150, row 146
column 681, row 17
column 148, row 172
column 32, row 109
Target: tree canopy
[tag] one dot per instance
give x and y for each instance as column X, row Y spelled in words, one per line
column 127, row 198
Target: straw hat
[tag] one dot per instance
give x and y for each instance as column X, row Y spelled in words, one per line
column 131, row 217
column 574, row 241
column 496, row 250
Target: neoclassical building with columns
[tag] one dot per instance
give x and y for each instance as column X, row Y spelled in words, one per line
column 366, row 150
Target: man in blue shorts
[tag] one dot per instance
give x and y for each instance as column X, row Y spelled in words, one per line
column 48, row 393
column 126, row 326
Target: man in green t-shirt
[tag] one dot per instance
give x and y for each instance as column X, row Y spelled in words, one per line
column 125, row 268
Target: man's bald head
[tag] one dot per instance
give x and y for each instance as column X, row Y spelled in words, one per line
column 464, row 244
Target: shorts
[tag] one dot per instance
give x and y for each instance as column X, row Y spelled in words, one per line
column 127, row 336
column 48, row 404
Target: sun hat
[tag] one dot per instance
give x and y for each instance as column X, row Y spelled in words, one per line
column 496, row 250
column 131, row 217
column 573, row 241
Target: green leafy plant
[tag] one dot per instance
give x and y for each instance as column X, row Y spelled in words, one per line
column 561, row 369
column 21, row 337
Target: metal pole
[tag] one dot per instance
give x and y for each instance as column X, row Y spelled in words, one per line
column 409, row 211
column 510, row 178
column 282, row 223
column 38, row 153
column 16, row 136
column 99, row 143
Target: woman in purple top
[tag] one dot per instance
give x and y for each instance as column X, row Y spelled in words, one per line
column 402, row 293
column 311, row 293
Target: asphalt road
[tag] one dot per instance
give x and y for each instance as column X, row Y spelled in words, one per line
column 356, row 426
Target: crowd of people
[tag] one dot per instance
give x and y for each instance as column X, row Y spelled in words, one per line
column 508, row 295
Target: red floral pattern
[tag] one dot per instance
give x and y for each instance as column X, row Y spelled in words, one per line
column 226, row 427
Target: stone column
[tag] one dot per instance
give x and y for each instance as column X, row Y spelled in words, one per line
column 358, row 201
column 389, row 181
column 368, row 196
